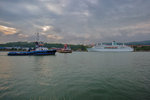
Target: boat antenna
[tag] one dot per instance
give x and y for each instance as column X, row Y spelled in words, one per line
column 37, row 38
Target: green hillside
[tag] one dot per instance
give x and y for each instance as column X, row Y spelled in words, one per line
column 138, row 46
column 139, row 43
column 48, row 45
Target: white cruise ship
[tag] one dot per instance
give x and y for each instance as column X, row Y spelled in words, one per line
column 110, row 48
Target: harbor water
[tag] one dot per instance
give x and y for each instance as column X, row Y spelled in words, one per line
column 76, row 76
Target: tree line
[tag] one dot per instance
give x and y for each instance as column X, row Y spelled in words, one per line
column 48, row 45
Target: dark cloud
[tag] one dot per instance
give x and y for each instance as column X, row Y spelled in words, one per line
column 76, row 21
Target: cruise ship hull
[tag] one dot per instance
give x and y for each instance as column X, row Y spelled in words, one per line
column 109, row 50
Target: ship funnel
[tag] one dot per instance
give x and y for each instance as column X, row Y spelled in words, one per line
column 113, row 43
column 123, row 44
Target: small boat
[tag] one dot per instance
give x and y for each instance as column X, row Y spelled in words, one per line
column 66, row 49
column 39, row 50
column 110, row 48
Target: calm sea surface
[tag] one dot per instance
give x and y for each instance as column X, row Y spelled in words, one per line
column 76, row 76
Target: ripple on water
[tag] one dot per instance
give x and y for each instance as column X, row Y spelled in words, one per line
column 77, row 76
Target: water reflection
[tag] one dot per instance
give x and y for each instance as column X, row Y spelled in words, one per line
column 6, row 74
column 43, row 70
column 75, row 76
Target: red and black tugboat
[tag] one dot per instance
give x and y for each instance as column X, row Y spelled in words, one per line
column 66, row 49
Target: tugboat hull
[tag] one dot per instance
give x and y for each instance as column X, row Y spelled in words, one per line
column 65, row 51
column 34, row 53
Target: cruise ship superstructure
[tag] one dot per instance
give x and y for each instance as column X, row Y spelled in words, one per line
column 110, row 48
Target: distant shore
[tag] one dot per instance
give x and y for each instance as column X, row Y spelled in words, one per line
column 24, row 46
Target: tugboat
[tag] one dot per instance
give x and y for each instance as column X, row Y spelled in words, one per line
column 66, row 49
column 39, row 50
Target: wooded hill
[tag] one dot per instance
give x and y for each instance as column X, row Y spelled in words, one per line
column 48, row 45
column 138, row 46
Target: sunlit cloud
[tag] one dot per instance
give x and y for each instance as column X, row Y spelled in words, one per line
column 7, row 30
column 53, row 36
column 133, row 30
column 46, row 28
column 43, row 33
column 23, row 35
column 82, row 13
column 55, row 8
column 5, row 22
column 93, row 1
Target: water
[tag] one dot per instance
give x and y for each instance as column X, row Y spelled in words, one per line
column 76, row 76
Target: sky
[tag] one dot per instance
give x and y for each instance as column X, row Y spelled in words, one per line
column 75, row 21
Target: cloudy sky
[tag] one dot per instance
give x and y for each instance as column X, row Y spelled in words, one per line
column 75, row 21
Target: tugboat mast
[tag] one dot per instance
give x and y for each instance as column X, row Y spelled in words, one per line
column 37, row 40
